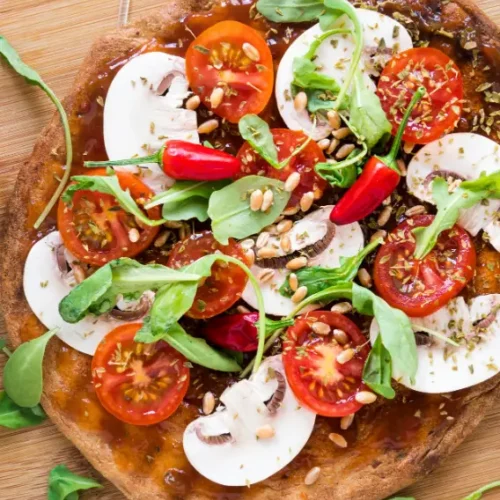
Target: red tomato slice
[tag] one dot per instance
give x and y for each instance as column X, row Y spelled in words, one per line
column 227, row 281
column 141, row 384
column 439, row 110
column 287, row 141
column 96, row 230
column 318, row 381
column 235, row 58
column 421, row 287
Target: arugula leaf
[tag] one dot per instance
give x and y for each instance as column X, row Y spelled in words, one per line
column 402, row 498
column 290, row 11
column 186, row 199
column 377, row 371
column 258, row 134
column 395, row 329
column 306, row 76
column 14, row 416
column 476, row 495
column 317, row 278
column 230, row 211
column 33, row 78
column 108, row 185
column 23, row 375
column 64, row 485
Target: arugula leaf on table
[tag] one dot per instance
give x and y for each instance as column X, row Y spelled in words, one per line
column 13, row 416
column 258, row 134
column 33, row 78
column 64, row 485
column 377, row 372
column 230, row 211
column 476, row 495
column 23, row 374
column 186, row 199
column 291, row 11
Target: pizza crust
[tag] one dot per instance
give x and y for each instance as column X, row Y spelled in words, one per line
column 344, row 474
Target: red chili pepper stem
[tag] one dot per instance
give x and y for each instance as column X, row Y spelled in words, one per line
column 154, row 158
column 390, row 158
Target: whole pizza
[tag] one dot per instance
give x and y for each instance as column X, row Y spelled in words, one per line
column 256, row 251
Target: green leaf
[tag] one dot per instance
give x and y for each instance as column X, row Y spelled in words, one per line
column 64, row 485
column 108, row 185
column 377, row 371
column 14, row 416
column 402, row 498
column 23, row 375
column 479, row 493
column 291, row 11
column 186, row 200
column 306, row 76
column 487, row 184
column 258, row 134
column 395, row 329
column 229, row 208
column 33, row 78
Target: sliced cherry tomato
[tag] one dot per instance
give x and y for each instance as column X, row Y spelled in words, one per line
column 439, row 110
column 420, row 287
column 96, row 230
column 235, row 58
column 141, row 384
column 317, row 379
column 287, row 141
column 226, row 283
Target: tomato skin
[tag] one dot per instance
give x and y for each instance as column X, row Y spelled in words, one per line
column 310, row 365
column 442, row 105
column 226, row 283
column 113, row 220
column 431, row 283
column 217, row 59
column 287, row 141
column 125, row 373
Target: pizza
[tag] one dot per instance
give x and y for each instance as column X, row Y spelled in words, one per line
column 270, row 267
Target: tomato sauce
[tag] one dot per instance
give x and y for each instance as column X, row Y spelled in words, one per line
column 156, row 451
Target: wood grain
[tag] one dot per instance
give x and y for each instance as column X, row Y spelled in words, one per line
column 53, row 36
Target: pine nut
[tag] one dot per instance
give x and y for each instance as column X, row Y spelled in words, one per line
column 323, row 144
column 306, row 201
column 216, row 97
column 344, row 151
column 193, row 102
column 78, row 273
column 267, row 253
column 291, row 210
column 337, row 439
column 340, row 336
column 378, row 234
column 408, row 147
column 299, row 295
column 300, row 102
column 346, row 422
column 292, row 182
column 342, row 133
column 365, row 397
column 250, row 257
column 262, row 239
column 208, row 126
column 256, row 199
column 243, row 310
column 384, row 216
column 297, row 263
column 247, row 244
column 342, row 308
column 312, row 476
column 293, row 281
column 267, row 201
column 345, row 356
column 334, row 144
column 284, row 226
column 266, row 275
column 285, row 243
column 402, row 167
column 364, row 278
column 208, row 404
column 334, row 119
column 416, row 210
column 320, row 328
column 133, row 235
column 265, row 432
column 251, row 52
column 162, row 239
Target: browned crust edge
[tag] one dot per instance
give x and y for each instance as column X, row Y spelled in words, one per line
column 365, row 484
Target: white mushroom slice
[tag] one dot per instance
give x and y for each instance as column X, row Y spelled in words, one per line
column 45, row 286
column 445, row 368
column 458, row 156
column 348, row 241
column 240, row 458
column 138, row 118
column 334, row 59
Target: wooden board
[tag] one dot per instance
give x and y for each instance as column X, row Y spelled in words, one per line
column 53, row 36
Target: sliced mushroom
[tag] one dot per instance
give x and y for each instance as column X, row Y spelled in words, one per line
column 443, row 174
column 274, row 403
column 213, row 440
column 137, row 312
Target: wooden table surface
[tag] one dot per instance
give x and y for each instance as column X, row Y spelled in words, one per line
column 53, row 36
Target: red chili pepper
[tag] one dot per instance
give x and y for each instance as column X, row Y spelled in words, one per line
column 184, row 160
column 378, row 180
column 238, row 332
